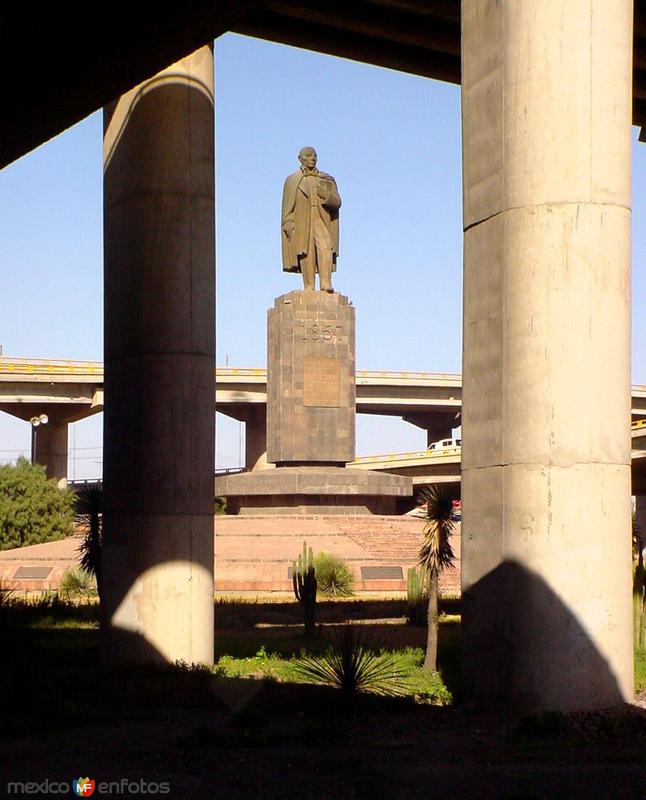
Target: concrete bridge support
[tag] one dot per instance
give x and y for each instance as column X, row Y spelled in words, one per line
column 256, row 437
column 51, row 450
column 437, row 426
column 546, row 92
column 640, row 515
column 159, row 367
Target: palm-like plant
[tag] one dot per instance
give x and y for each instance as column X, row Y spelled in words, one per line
column 89, row 514
column 435, row 555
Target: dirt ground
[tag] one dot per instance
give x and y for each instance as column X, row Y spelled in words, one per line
column 248, row 739
column 260, row 740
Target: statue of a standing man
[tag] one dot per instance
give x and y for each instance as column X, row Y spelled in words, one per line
column 310, row 223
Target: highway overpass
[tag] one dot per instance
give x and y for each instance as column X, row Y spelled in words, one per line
column 68, row 391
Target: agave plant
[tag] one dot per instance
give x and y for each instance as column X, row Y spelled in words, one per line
column 354, row 663
column 333, row 575
column 7, row 600
column 435, row 555
column 77, row 582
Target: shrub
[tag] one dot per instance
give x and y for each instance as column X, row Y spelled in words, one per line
column 220, row 505
column 77, row 582
column 355, row 664
column 333, row 575
column 32, row 508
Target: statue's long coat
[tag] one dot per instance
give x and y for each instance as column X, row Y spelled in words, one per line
column 296, row 206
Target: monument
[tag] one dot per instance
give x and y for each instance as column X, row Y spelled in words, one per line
column 311, row 376
column 310, row 222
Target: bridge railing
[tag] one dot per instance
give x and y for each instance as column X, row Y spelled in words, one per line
column 419, row 454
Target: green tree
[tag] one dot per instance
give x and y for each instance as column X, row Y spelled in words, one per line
column 32, row 508
column 436, row 554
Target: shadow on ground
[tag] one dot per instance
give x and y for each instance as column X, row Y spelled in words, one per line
column 212, row 737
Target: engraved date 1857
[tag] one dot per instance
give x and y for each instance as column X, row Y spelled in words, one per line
column 320, row 332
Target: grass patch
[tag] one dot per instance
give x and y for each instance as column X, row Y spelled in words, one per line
column 423, row 686
column 640, row 670
column 51, row 675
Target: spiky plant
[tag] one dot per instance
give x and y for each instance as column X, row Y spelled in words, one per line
column 77, row 582
column 7, row 599
column 355, row 664
column 435, row 555
column 333, row 575
column 89, row 515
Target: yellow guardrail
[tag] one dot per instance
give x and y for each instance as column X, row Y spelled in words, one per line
column 416, row 454
column 638, row 423
column 60, row 367
column 50, row 367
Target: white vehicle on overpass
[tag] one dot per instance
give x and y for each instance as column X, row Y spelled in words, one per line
column 446, row 444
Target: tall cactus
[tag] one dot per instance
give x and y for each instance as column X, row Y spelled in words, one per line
column 639, row 590
column 304, row 584
column 416, row 596
column 639, row 596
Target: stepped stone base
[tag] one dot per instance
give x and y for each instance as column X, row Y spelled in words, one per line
column 313, row 490
column 253, row 554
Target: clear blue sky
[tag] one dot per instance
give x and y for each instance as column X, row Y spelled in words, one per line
column 391, row 140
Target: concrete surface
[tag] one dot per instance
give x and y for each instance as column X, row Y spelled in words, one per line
column 159, row 239
column 546, row 100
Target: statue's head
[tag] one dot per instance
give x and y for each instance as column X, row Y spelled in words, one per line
column 307, row 157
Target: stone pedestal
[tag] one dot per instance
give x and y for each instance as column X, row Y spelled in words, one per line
column 313, row 490
column 311, row 419
column 310, row 379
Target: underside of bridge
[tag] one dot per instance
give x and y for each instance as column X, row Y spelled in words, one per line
column 549, row 92
column 56, row 73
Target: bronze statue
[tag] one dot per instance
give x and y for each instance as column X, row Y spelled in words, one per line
column 310, row 223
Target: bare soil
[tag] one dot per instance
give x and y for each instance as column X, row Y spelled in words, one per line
column 64, row 716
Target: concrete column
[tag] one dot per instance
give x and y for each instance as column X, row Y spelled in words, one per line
column 159, row 235
column 640, row 515
column 437, row 425
column 546, row 93
column 51, row 450
column 256, row 437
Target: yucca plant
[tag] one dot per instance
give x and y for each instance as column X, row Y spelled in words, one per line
column 333, row 575
column 354, row 663
column 88, row 506
column 435, row 555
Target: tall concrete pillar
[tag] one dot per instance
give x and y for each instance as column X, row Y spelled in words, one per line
column 640, row 515
column 546, row 94
column 256, row 437
column 51, row 450
column 160, row 367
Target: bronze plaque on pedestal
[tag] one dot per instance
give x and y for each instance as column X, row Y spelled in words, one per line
column 322, row 382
